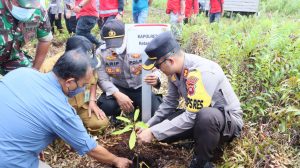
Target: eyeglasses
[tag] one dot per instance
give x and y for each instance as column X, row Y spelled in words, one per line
column 157, row 65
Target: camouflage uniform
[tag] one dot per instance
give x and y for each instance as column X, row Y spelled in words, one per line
column 15, row 34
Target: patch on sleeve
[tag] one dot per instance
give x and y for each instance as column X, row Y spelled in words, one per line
column 196, row 94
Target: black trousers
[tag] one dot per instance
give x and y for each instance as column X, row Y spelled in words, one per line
column 84, row 26
column 71, row 24
column 207, row 133
column 56, row 22
column 110, row 106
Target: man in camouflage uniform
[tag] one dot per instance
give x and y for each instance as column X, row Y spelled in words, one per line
column 20, row 22
column 213, row 114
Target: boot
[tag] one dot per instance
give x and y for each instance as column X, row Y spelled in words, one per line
column 200, row 164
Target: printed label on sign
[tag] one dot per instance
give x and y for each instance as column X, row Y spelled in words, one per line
column 197, row 96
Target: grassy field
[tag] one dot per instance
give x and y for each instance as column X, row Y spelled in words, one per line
column 261, row 56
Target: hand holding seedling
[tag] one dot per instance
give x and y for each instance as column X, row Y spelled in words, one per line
column 145, row 136
column 133, row 126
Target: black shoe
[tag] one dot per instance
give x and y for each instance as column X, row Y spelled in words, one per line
column 202, row 164
column 193, row 163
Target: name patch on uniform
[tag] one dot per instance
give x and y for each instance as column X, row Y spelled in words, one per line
column 112, row 63
column 134, row 62
column 197, row 96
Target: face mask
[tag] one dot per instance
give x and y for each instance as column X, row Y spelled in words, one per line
column 119, row 50
column 72, row 93
column 21, row 14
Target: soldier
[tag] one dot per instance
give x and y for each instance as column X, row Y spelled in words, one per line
column 120, row 73
column 213, row 114
column 20, row 22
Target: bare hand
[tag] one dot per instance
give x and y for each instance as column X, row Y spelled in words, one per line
column 76, row 9
column 99, row 113
column 119, row 17
column 180, row 18
column 151, row 79
column 68, row 14
column 145, row 136
column 138, row 130
column 56, row 17
column 124, row 102
column 122, row 162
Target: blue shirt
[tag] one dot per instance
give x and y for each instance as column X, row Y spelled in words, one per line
column 34, row 111
column 139, row 5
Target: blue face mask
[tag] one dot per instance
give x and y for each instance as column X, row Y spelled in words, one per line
column 21, row 14
column 72, row 93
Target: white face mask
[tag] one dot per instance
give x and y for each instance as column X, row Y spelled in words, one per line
column 21, row 14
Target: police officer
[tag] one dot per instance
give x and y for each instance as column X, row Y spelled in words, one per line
column 213, row 114
column 120, row 73
column 20, row 22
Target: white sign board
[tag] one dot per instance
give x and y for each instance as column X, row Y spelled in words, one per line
column 137, row 38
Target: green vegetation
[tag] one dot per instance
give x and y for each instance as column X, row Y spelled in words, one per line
column 260, row 54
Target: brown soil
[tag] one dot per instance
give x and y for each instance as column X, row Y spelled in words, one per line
column 153, row 155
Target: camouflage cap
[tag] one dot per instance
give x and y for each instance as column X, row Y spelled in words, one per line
column 28, row 4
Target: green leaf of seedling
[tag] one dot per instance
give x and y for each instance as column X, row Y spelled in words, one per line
column 126, row 129
column 124, row 119
column 136, row 114
column 132, row 140
column 141, row 124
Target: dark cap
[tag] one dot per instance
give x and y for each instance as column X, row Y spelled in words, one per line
column 28, row 4
column 162, row 45
column 113, row 32
column 86, row 45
